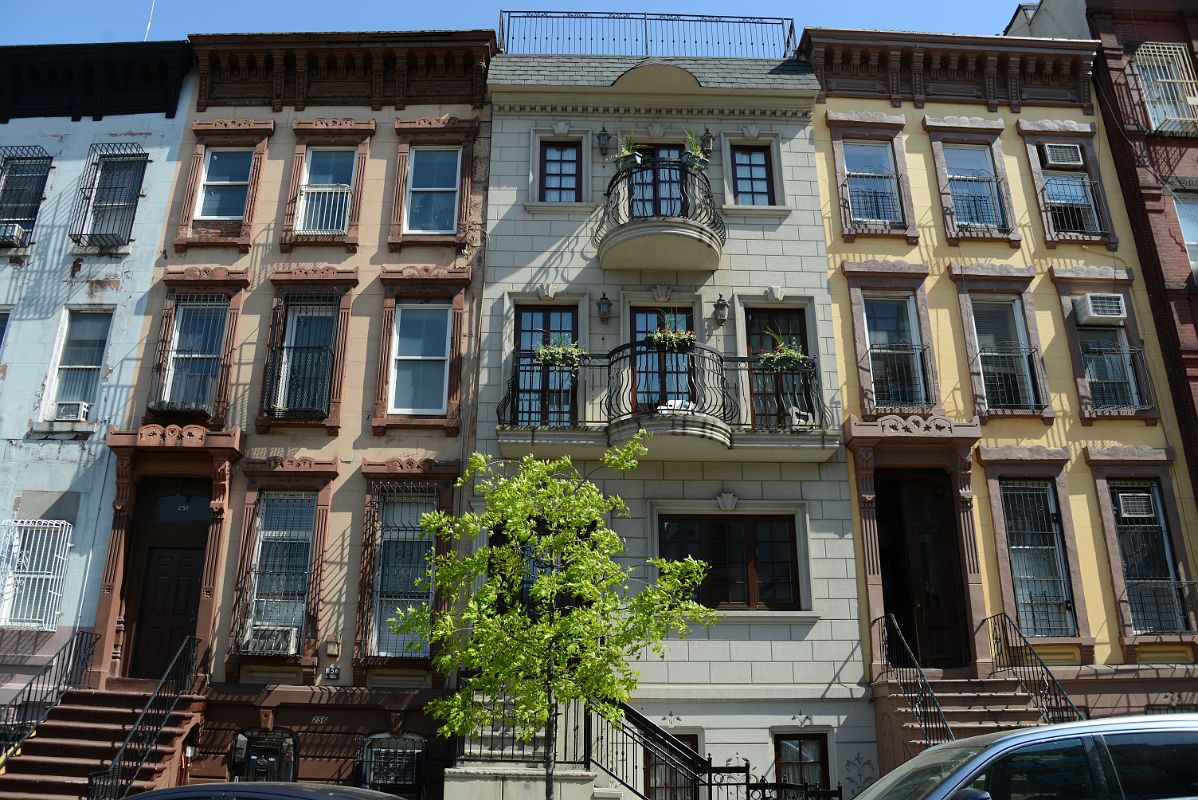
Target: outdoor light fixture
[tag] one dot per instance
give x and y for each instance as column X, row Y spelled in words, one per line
column 721, row 311
column 706, row 143
column 604, row 307
column 604, row 140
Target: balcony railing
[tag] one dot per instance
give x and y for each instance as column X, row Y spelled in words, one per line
column 1011, row 379
column 977, row 209
column 1071, row 205
column 900, row 378
column 637, row 380
column 638, row 34
column 659, row 188
column 186, row 383
column 1163, row 606
column 870, row 202
column 1118, row 378
column 297, row 382
column 323, row 210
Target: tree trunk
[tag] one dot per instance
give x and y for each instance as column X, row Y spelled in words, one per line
column 550, row 731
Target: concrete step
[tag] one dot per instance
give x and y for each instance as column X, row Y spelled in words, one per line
column 81, row 748
column 54, row 785
column 68, row 767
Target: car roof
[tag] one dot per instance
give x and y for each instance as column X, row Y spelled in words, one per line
column 273, row 788
column 1086, row 727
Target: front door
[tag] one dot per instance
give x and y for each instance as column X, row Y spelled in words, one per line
column 167, row 612
column 922, row 581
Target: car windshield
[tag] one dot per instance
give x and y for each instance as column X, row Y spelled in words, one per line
column 918, row 777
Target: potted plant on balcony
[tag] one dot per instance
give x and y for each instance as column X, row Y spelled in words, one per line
column 783, row 358
column 560, row 353
column 671, row 340
column 627, row 154
column 693, row 155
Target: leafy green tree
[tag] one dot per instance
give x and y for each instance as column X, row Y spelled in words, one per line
column 536, row 608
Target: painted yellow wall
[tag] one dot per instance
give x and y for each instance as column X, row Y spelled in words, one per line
column 951, row 359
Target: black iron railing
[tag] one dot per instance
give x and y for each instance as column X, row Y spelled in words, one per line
column 23, row 173
column 639, row 34
column 638, row 380
column 32, row 704
column 900, row 662
column 1071, row 206
column 499, row 742
column 901, row 380
column 186, row 382
column 870, row 202
column 977, row 209
column 1013, row 653
column 1163, row 606
column 109, row 190
column 659, row 188
column 622, row 747
column 297, row 382
column 1118, row 378
column 324, row 210
column 1011, row 378
column 117, row 781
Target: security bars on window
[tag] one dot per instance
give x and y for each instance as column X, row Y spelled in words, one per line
column 1169, row 85
column 299, row 367
column 401, row 563
column 23, row 173
column 1039, row 568
column 1158, row 601
column 189, row 370
column 33, row 564
column 108, row 195
column 278, row 589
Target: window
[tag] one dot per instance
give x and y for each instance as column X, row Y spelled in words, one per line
column 754, row 563
column 973, row 184
column 401, row 562
column 278, row 581
column 23, row 174
column 1110, row 368
column 665, row 777
column 1159, row 602
column 753, row 176
column 263, row 756
column 801, row 758
column 1039, row 566
column 324, row 197
column 1007, row 362
column 190, row 366
column 108, row 195
column 972, row 178
column 1169, row 86
column 1187, row 215
column 1155, row 765
column 33, row 564
column 1064, row 163
column 4, row 314
column 872, row 183
column 662, row 380
column 656, row 187
column 300, row 366
column 397, row 765
column 561, row 172
column 420, row 368
column 896, row 355
column 787, row 399
column 80, row 364
column 1069, row 200
column 225, row 184
column 432, row 199
column 545, row 395
column 1058, row 770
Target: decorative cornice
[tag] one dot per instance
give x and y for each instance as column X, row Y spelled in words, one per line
column 264, row 127
column 207, row 277
column 1055, row 127
column 933, row 430
column 636, row 110
column 314, row 276
column 410, row 468
column 1091, row 275
column 195, row 438
column 885, row 267
column 1129, row 455
column 854, row 119
column 1015, row 454
column 298, row 466
column 999, row 272
column 443, row 124
column 429, row 275
column 340, row 125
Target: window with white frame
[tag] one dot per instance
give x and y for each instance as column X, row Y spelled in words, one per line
column 192, row 360
column 225, row 183
column 973, row 183
column 1006, row 359
column 33, row 565
column 325, row 196
column 896, row 355
column 420, row 358
column 401, row 564
column 278, row 581
column 432, row 190
column 1187, row 215
column 80, row 363
column 1169, row 86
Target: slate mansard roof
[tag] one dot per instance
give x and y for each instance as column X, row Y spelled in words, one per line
column 711, row 73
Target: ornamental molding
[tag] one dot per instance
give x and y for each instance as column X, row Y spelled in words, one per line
column 426, row 273
column 714, row 112
column 264, row 127
column 410, row 467
column 314, row 275
column 172, row 436
column 933, row 430
column 300, row 466
column 1016, row 454
column 208, row 276
column 1128, row 455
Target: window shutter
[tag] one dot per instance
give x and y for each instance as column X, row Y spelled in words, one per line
column 995, row 324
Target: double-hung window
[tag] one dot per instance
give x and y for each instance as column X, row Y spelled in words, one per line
column 1110, row 369
column 299, row 373
column 33, row 565
column 432, row 190
column 23, row 174
column 1187, row 215
column 278, row 580
column 80, row 364
column 108, row 195
column 1158, row 602
column 191, row 365
column 752, row 176
column 1169, row 86
column 421, row 351
column 1069, row 197
column 1007, row 361
column 225, row 183
column 401, row 566
column 872, row 183
column 1039, row 563
column 561, row 172
column 973, row 184
column 897, row 357
column 327, row 191
column 780, row 399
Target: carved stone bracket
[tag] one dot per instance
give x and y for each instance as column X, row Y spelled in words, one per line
column 221, row 278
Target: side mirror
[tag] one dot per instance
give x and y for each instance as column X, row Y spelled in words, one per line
column 969, row 793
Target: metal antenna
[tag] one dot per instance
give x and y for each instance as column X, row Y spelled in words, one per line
column 149, row 21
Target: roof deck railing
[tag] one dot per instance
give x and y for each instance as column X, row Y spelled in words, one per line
column 640, row 34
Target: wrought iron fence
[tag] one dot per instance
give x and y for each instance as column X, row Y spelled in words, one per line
column 1118, row 378
column 901, row 379
column 324, row 210
column 115, row 782
column 297, row 382
column 500, row 741
column 900, row 662
column 1010, row 377
column 186, row 382
column 1071, row 206
column 32, row 704
column 23, row 173
column 108, row 194
column 1163, row 606
column 657, row 188
column 639, row 34
column 1013, row 653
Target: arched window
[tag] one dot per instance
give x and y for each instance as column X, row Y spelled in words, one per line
column 395, row 764
column 263, row 756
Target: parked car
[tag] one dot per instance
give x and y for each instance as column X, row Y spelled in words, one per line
column 265, row 791
column 1115, row 758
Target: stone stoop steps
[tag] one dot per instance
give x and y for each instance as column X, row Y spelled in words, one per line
column 81, row 735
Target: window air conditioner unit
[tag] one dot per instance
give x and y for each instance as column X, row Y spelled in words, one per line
column 272, row 640
column 1100, row 309
column 72, row 412
column 1136, row 504
column 12, row 234
column 1062, row 156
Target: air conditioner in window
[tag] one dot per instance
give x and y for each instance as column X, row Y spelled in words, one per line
column 1061, row 156
column 272, row 640
column 1100, row 309
column 12, row 234
column 1136, row 504
column 72, row 412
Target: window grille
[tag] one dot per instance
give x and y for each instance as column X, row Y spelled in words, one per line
column 33, row 565
column 1159, row 602
column 108, row 195
column 394, row 764
column 190, row 364
column 300, row 364
column 401, row 564
column 1043, row 595
column 1169, row 85
column 279, row 577
column 23, row 174
column 1069, row 200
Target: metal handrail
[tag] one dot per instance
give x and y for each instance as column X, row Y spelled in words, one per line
column 913, row 684
column 1073, row 207
column 1012, row 652
column 116, row 782
column 659, row 188
column 972, row 213
column 616, row 747
column 873, row 210
column 1011, row 378
column 32, row 705
column 1129, row 392
column 323, row 209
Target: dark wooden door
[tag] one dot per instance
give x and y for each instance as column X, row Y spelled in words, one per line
column 167, row 612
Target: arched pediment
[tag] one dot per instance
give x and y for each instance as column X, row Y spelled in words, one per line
column 657, row 77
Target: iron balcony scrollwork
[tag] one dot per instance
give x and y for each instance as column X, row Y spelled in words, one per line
column 651, row 189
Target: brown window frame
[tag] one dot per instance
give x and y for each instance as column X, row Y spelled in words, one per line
column 670, row 791
column 542, row 370
column 318, row 133
column 771, row 191
column 231, row 133
column 822, row 738
column 707, row 593
column 979, row 132
column 872, row 126
column 430, row 132
column 335, row 280
column 542, row 163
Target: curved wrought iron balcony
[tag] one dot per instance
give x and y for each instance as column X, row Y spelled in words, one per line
column 660, row 213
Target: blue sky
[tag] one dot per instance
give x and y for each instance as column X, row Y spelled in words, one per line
column 52, row 21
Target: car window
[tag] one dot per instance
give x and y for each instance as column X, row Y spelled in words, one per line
column 1153, row 766
column 917, row 778
column 1057, row 770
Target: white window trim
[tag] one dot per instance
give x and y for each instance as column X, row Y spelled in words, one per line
column 173, row 350
column 448, row 358
column 1016, row 305
column 916, row 342
column 533, row 204
column 50, row 400
column 751, row 138
column 199, row 203
column 260, row 537
column 1190, row 201
column 409, row 188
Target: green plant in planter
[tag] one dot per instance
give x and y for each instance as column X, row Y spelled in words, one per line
column 784, row 357
column 693, row 154
column 627, row 154
column 672, row 340
column 560, row 353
